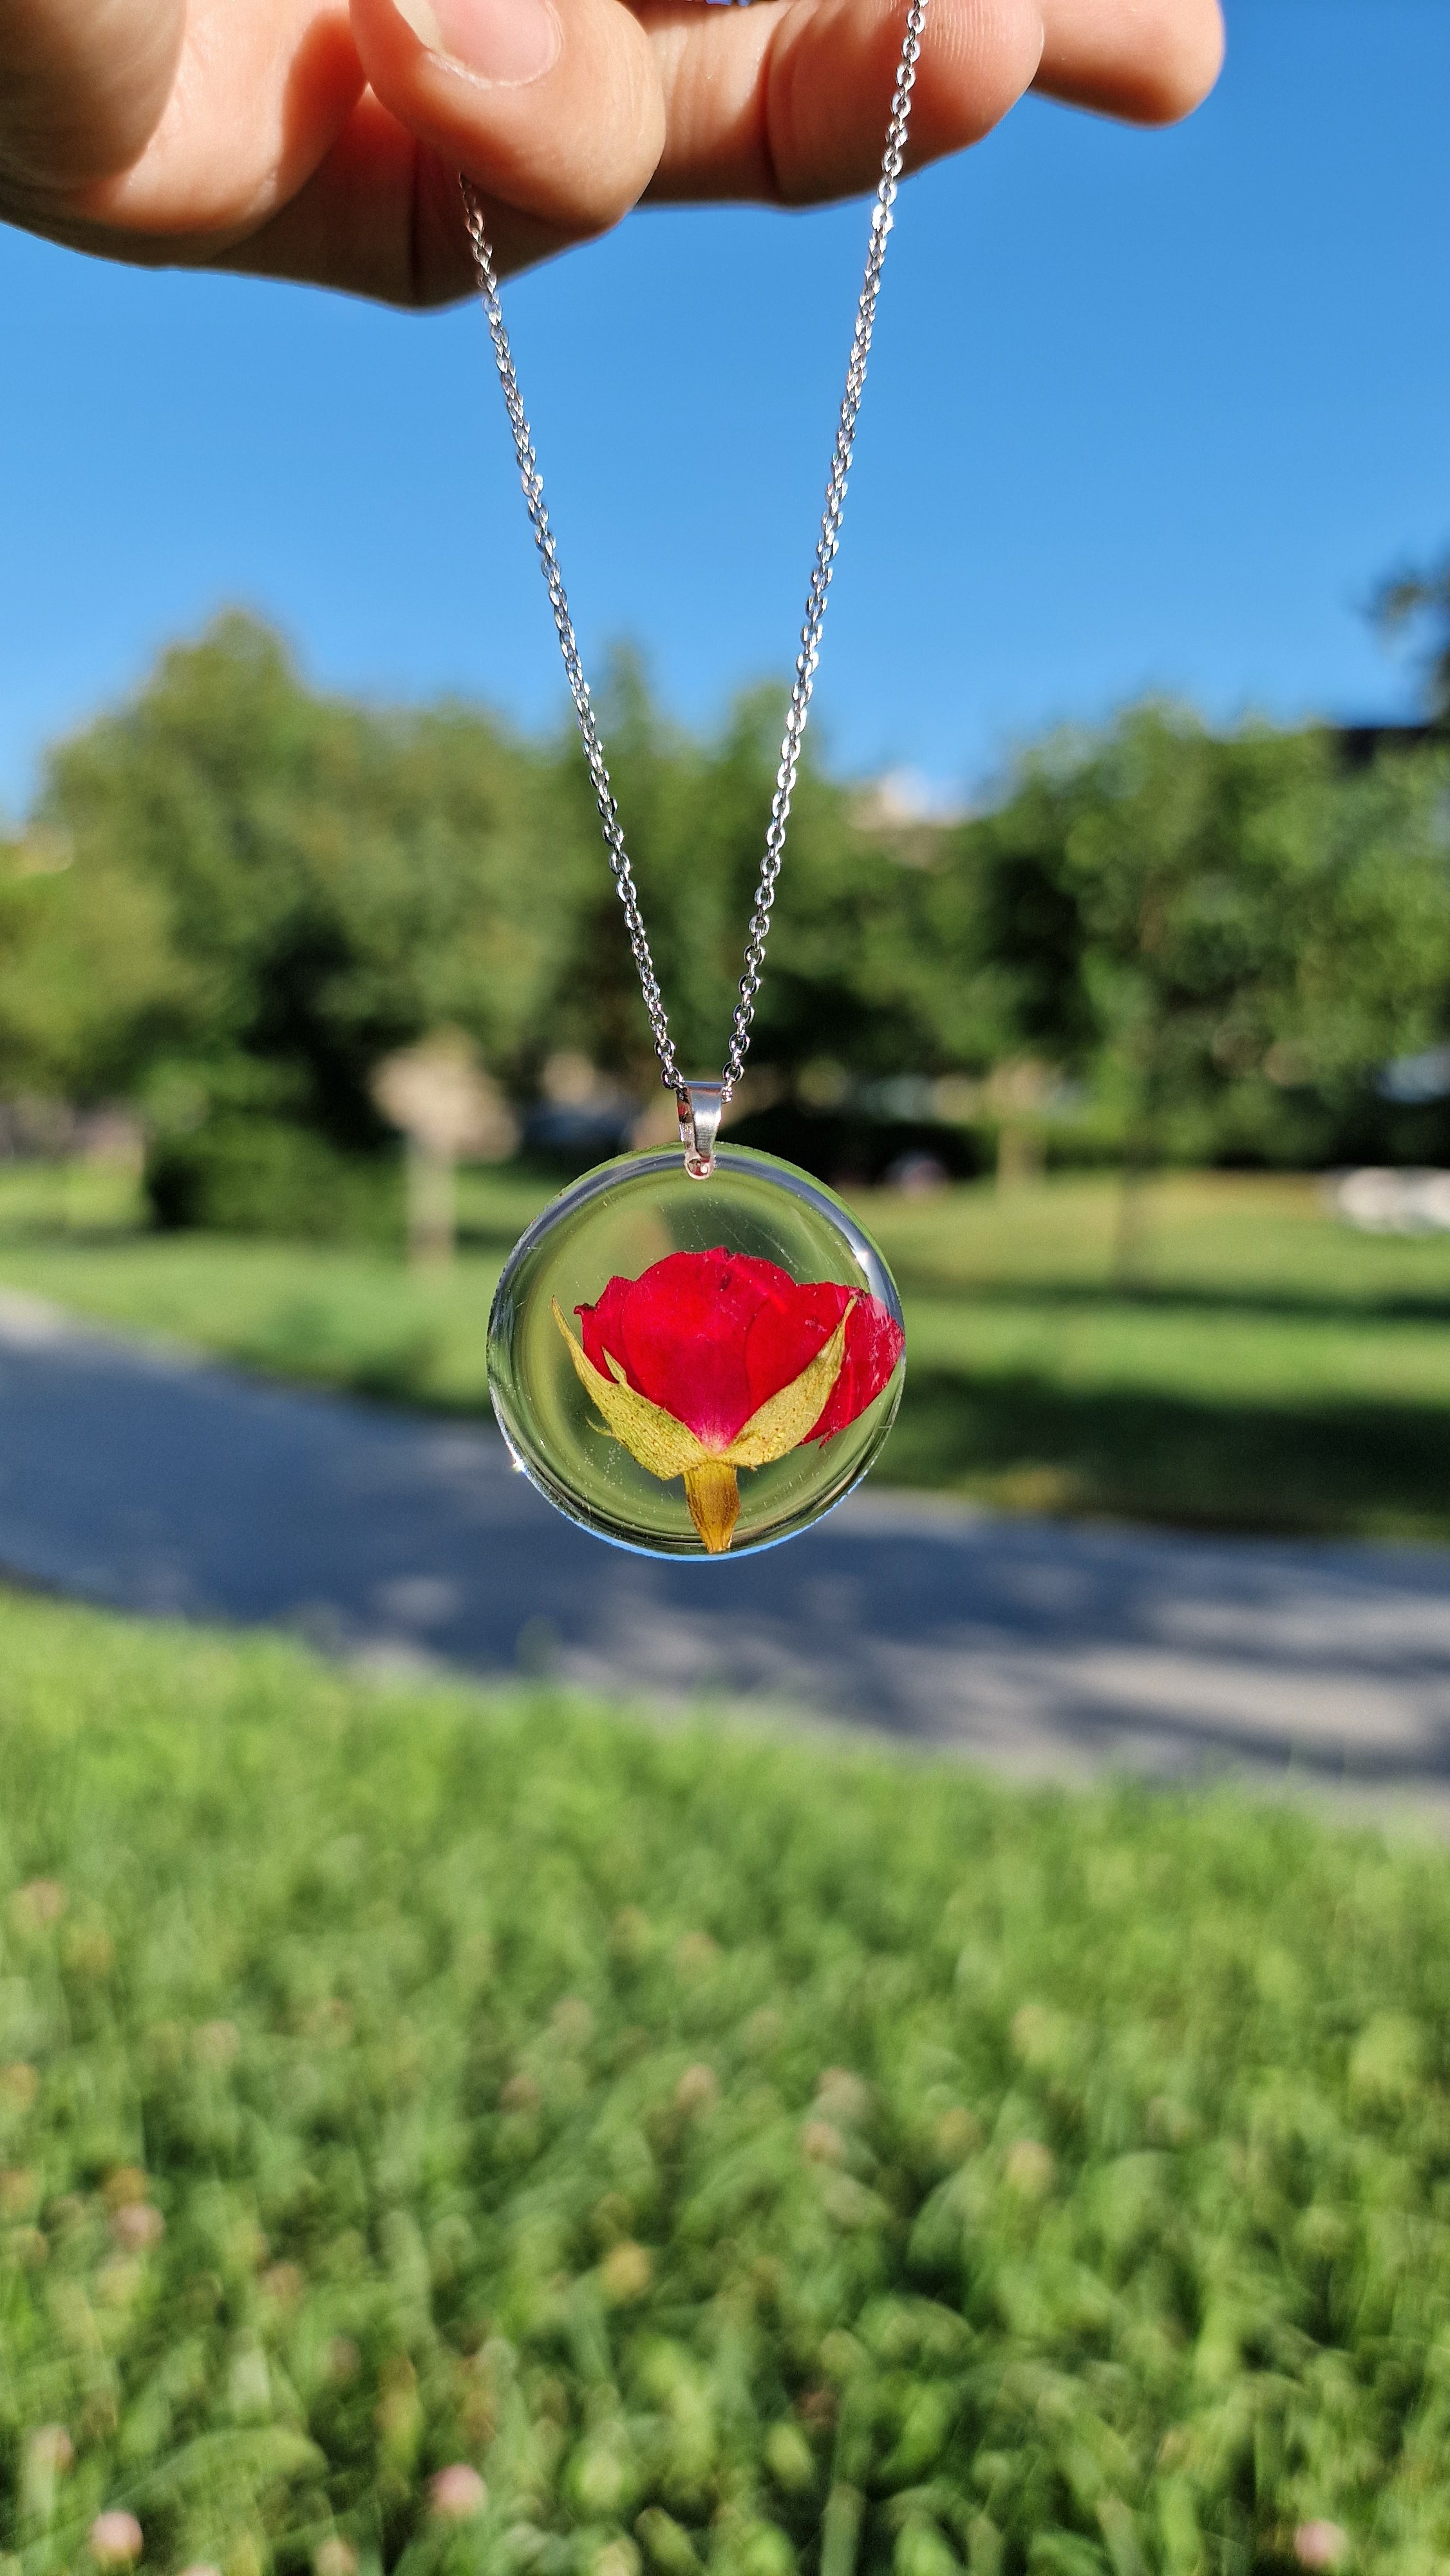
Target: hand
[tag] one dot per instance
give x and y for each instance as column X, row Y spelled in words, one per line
column 301, row 139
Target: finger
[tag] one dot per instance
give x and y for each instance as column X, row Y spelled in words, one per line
column 261, row 94
column 552, row 106
column 1148, row 60
column 82, row 86
column 383, row 217
column 789, row 99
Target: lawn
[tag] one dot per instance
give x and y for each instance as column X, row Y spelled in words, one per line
column 734, row 2156
column 1268, row 1369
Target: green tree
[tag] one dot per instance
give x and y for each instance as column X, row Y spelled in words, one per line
column 1420, row 600
column 1209, row 926
column 843, row 977
column 338, row 881
column 91, row 986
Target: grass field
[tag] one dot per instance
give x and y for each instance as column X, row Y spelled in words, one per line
column 1268, row 1371
column 736, row 2156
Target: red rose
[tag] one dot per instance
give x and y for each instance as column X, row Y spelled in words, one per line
column 712, row 1361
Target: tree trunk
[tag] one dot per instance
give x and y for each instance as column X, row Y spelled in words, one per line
column 431, row 1210
column 1020, row 1158
column 1141, row 1152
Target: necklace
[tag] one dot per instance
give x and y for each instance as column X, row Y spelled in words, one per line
column 678, row 1318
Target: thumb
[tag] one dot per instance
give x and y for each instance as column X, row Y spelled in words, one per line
column 82, row 87
column 553, row 106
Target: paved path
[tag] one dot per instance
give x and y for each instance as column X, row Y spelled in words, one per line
column 140, row 1477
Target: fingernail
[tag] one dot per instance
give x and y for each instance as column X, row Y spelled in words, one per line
column 503, row 42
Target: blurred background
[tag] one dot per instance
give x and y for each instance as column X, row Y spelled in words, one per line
column 544, row 2125
column 1121, row 849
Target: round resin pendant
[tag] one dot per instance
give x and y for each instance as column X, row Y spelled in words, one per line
column 695, row 1367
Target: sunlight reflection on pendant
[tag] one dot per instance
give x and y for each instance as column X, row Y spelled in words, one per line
column 695, row 1367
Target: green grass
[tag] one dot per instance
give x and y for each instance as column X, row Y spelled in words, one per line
column 1268, row 1370
column 745, row 2157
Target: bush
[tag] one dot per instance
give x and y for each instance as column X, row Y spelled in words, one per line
column 736, row 2156
column 253, row 1175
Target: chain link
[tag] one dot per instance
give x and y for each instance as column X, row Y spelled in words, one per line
column 817, row 594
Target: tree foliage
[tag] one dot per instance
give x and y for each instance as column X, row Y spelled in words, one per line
column 1420, row 600
column 242, row 893
column 337, row 880
column 1206, row 924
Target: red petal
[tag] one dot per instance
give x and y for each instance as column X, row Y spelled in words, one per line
column 874, row 1344
column 793, row 1323
column 710, row 1336
column 679, row 1332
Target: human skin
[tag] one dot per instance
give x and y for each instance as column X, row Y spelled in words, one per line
column 318, row 140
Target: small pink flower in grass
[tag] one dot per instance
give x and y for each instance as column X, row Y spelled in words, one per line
column 50, row 2451
column 456, row 2493
column 116, row 2539
column 335, row 2557
column 136, row 2226
column 698, row 2090
column 200, row 2567
column 1320, row 2544
column 1031, row 2169
column 40, row 1902
column 218, row 2043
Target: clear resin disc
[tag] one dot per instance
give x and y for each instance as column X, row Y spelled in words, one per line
column 695, row 1367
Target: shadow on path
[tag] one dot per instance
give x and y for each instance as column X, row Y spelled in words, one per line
column 139, row 1478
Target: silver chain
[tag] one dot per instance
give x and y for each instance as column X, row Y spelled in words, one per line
column 817, row 594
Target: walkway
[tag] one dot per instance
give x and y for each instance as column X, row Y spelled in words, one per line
column 142, row 1478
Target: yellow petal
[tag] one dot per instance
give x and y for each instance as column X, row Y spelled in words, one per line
column 714, row 1499
column 784, row 1420
column 662, row 1445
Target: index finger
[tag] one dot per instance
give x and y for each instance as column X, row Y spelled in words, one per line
column 1147, row 60
column 787, row 99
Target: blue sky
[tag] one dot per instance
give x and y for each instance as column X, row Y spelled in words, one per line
column 1147, row 411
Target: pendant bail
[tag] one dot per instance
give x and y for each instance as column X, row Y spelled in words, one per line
column 700, row 1105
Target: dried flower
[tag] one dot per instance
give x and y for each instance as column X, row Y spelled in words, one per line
column 119, row 2281
column 630, row 1933
column 1320, row 2544
column 697, row 2090
column 617, row 2558
column 40, row 1902
column 1031, row 2168
column 957, row 2133
column 626, row 2272
column 713, row 1361
column 842, row 2096
column 126, row 2185
column 50, row 2451
column 116, row 2539
column 822, row 2143
column 19, row 2190
column 456, row 2493
column 90, row 1951
column 137, row 2227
